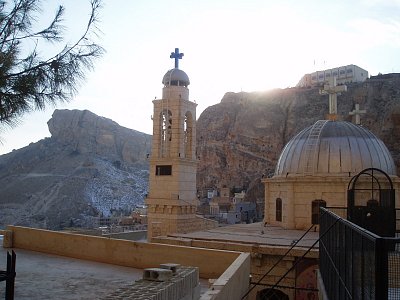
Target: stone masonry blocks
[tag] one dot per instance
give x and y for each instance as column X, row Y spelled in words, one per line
column 181, row 286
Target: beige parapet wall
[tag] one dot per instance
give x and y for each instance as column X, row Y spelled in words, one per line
column 233, row 283
column 7, row 238
column 211, row 263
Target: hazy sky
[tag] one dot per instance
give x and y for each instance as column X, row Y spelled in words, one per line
column 228, row 45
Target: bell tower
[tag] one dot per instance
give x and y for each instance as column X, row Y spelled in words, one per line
column 172, row 200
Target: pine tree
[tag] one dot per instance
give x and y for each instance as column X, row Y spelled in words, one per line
column 27, row 81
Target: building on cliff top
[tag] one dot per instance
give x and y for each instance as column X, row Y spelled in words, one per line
column 344, row 75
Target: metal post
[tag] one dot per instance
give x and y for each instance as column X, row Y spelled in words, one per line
column 10, row 274
column 381, row 269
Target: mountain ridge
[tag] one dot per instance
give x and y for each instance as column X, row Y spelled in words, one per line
column 90, row 166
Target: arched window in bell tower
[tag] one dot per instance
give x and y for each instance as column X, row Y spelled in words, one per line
column 165, row 132
column 188, row 137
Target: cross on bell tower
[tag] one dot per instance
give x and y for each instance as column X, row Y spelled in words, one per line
column 177, row 56
column 333, row 90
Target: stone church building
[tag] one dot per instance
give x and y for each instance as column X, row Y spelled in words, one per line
column 315, row 167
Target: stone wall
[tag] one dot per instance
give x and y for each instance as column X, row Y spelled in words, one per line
column 120, row 252
column 297, row 194
column 232, row 283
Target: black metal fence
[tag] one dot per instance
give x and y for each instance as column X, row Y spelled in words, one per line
column 355, row 263
column 342, row 212
column 9, row 275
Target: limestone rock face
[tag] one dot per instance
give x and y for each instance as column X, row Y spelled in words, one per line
column 88, row 133
column 90, row 166
column 240, row 139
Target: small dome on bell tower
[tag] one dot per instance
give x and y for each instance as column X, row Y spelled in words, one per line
column 176, row 77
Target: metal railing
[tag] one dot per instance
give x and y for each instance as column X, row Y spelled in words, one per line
column 8, row 275
column 355, row 263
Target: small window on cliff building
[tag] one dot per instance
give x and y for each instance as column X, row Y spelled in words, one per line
column 278, row 207
column 163, row 170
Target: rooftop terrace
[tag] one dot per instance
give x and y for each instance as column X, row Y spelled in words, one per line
column 46, row 276
column 59, row 265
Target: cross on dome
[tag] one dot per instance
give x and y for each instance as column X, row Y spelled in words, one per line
column 177, row 56
column 333, row 90
column 357, row 112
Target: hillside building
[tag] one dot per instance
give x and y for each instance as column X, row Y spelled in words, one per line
column 344, row 75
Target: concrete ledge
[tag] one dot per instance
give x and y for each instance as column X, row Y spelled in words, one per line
column 234, row 246
column 211, row 263
column 233, row 283
column 7, row 238
column 130, row 235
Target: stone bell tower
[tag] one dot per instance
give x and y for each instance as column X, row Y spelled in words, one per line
column 172, row 193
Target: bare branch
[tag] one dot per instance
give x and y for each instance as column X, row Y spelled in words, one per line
column 32, row 83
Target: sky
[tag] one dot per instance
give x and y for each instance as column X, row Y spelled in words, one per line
column 228, row 46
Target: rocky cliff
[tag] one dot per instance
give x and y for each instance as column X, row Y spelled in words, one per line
column 89, row 166
column 239, row 140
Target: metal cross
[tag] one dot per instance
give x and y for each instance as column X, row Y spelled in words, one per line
column 357, row 112
column 333, row 90
column 177, row 56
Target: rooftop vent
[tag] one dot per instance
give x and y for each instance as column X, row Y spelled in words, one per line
column 157, row 274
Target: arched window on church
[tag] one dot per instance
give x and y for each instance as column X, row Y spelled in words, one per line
column 315, row 212
column 188, row 131
column 165, row 132
column 271, row 294
column 278, row 208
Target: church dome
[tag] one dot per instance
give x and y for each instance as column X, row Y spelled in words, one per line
column 176, row 77
column 332, row 148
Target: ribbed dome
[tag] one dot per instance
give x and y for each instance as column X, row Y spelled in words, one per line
column 176, row 77
column 334, row 148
